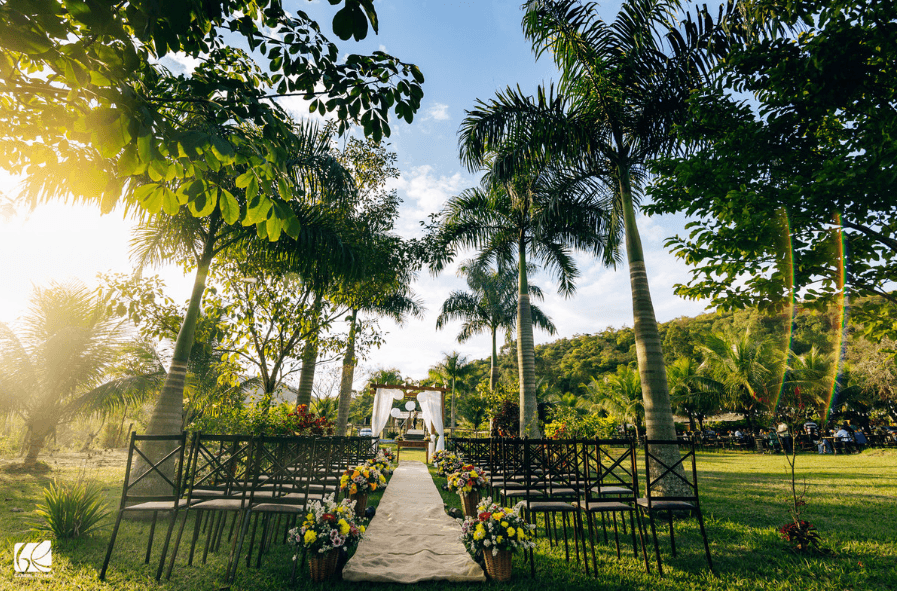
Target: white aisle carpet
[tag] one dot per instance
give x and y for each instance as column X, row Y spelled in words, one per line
column 411, row 539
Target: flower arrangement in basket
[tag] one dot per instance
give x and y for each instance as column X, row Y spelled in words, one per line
column 468, row 482
column 387, row 453
column 357, row 482
column 328, row 527
column 446, row 463
column 497, row 531
column 381, row 463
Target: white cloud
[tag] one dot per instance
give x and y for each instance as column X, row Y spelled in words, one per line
column 180, row 63
column 437, row 112
column 423, row 191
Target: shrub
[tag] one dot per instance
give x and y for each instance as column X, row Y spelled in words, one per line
column 71, row 510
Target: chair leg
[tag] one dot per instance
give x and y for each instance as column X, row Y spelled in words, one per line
column 656, row 545
column 177, row 543
column 706, row 543
column 174, row 517
column 210, row 531
column 255, row 525
column 196, row 529
column 643, row 534
column 604, row 527
column 632, row 529
column 616, row 534
column 591, row 521
column 111, row 545
column 672, row 532
column 265, row 524
column 236, row 549
column 566, row 545
column 149, row 543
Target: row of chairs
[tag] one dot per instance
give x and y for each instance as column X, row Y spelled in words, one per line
column 219, row 477
column 579, row 480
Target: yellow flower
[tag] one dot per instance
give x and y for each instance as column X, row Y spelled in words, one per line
column 382, row 478
column 504, row 524
column 310, row 517
column 499, row 539
column 361, row 528
column 354, row 489
column 473, row 474
column 373, row 486
column 355, row 475
column 511, row 532
column 344, row 527
column 366, row 474
column 520, row 533
column 310, row 537
column 498, row 516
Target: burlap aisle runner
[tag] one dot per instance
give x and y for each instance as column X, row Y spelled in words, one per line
column 411, row 539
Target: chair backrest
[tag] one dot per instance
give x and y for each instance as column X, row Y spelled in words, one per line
column 221, row 466
column 166, row 471
column 280, row 469
column 617, row 465
column 664, row 476
column 558, row 467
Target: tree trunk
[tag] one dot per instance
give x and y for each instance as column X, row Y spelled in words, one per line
column 526, row 358
column 493, row 368
column 453, row 406
column 168, row 414
column 345, row 385
column 307, row 373
column 652, row 371
column 35, row 444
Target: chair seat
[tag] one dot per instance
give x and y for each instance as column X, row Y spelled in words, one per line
column 277, row 508
column 220, row 505
column 594, row 506
column 660, row 505
column 562, row 493
column 524, row 493
column 551, row 507
column 612, row 490
column 157, row 506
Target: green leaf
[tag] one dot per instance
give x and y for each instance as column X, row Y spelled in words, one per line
column 230, row 209
column 204, row 204
column 149, row 197
column 170, row 203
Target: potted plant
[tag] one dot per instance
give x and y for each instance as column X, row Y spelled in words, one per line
column 497, row 532
column 357, row 482
column 468, row 482
column 328, row 528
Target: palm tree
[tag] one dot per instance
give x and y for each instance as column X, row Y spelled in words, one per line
column 627, row 92
column 691, row 392
column 491, row 304
column 453, row 367
column 326, row 407
column 536, row 212
column 620, row 396
column 59, row 365
column 747, row 370
column 812, row 377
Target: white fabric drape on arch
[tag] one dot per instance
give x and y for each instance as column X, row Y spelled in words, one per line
column 431, row 405
column 382, row 406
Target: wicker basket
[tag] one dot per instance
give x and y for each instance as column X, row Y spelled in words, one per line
column 322, row 566
column 470, row 502
column 498, row 567
column 361, row 503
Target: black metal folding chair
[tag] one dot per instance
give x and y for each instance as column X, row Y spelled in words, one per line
column 139, row 494
column 663, row 476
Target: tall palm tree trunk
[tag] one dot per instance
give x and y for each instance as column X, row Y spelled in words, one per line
column 493, row 369
column 168, row 414
column 309, row 359
column 652, row 371
column 526, row 358
column 345, row 385
column 453, row 406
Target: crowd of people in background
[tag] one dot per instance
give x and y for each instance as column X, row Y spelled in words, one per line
column 839, row 439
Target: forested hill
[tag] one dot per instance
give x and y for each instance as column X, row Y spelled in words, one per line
column 568, row 363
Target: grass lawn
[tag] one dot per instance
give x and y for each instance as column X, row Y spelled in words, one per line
column 852, row 499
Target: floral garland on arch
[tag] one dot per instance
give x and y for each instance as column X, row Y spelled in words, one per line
column 468, row 479
column 361, row 479
column 328, row 526
column 497, row 528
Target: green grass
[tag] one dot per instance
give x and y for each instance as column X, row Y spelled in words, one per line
column 852, row 499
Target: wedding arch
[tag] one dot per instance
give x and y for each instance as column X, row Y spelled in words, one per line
column 430, row 398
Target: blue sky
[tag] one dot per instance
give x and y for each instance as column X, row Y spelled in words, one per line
column 466, row 50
